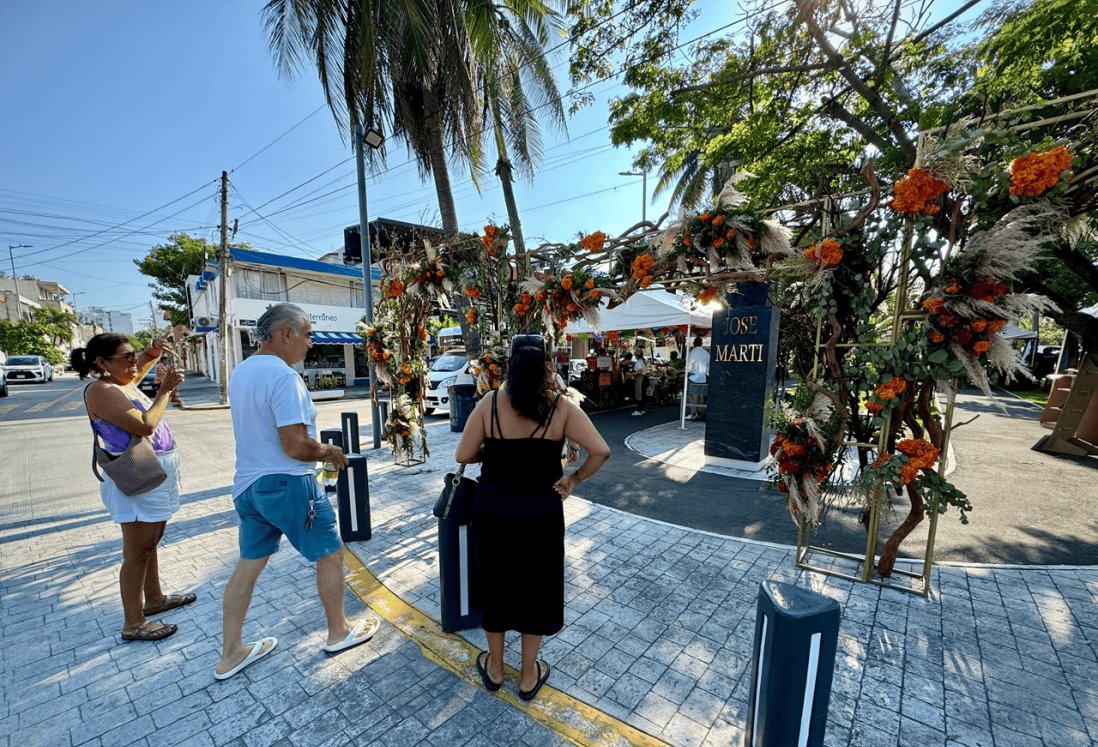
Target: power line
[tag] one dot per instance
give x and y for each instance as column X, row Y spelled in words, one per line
column 124, row 223
column 284, row 134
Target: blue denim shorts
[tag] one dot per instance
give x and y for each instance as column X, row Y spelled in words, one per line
column 276, row 505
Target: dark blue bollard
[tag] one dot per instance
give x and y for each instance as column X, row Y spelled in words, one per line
column 353, row 492
column 796, row 636
column 332, row 436
column 350, row 433
column 463, row 398
column 457, row 575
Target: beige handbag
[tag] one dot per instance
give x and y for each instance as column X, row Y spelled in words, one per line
column 135, row 470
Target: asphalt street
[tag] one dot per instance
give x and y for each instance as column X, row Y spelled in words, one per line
column 58, row 398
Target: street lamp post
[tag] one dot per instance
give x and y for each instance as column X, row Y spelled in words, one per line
column 15, row 277
column 644, row 190
column 374, row 139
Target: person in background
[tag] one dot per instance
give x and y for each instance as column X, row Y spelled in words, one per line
column 275, row 489
column 517, row 433
column 118, row 412
column 640, row 381
column 161, row 370
column 697, row 369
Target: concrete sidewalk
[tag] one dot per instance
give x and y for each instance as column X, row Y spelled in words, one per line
column 659, row 624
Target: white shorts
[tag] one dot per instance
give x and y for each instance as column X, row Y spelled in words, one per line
column 153, row 505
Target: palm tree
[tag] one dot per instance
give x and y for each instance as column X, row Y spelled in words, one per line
column 518, row 83
column 418, row 68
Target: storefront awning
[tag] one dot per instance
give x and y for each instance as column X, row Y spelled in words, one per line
column 336, row 338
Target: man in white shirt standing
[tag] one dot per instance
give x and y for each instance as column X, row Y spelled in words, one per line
column 275, row 489
column 640, row 373
column 697, row 370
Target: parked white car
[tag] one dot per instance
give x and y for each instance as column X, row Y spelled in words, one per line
column 450, row 368
column 33, row 368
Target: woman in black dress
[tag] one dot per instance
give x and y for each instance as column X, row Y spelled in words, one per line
column 518, row 432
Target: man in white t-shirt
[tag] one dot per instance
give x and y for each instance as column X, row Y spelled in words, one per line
column 697, row 371
column 640, row 374
column 275, row 489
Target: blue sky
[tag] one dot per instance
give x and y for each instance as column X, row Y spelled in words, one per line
column 113, row 109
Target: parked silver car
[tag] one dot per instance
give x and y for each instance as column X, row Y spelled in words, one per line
column 32, row 368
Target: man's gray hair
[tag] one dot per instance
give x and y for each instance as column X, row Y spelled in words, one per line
column 275, row 318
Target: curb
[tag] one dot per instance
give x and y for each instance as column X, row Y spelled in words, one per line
column 565, row 715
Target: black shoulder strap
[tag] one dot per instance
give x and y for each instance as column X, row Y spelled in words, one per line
column 495, row 426
column 544, row 428
column 95, row 436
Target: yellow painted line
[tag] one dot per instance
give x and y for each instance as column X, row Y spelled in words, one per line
column 8, row 407
column 71, row 406
column 566, row 716
column 39, row 407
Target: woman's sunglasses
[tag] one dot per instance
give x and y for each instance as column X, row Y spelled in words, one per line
column 130, row 357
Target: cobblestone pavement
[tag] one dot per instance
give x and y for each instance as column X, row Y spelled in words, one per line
column 659, row 625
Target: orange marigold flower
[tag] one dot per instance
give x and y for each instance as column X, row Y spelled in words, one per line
column 918, row 192
column 590, row 283
column 1034, row 174
column 594, row 242
column 981, row 347
column 874, row 407
column 472, row 291
column 953, row 287
column 642, row 265
column 647, row 281
column 566, row 282
column 592, row 294
column 810, row 253
column 707, row 294
column 934, row 305
column 830, row 253
column 936, row 336
column 717, row 220
column 703, row 217
column 471, row 316
column 979, row 325
column 718, row 242
column 540, row 296
column 996, row 325
column 686, row 240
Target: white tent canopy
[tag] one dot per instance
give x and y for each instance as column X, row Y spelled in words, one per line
column 647, row 310
column 1012, row 332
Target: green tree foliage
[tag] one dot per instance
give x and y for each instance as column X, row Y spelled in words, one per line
column 169, row 265
column 58, row 324
column 30, row 338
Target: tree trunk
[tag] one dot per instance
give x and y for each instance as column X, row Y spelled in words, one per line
column 892, row 546
column 503, row 171
column 447, row 211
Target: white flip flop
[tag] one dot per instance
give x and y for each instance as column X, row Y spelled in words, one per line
column 257, row 653
column 362, row 631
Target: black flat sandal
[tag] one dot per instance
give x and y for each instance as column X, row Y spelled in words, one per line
column 544, row 670
column 483, row 669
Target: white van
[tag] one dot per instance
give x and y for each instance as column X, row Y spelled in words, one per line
column 452, row 367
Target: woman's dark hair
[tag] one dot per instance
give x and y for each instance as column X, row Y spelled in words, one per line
column 530, row 381
column 698, row 342
column 103, row 345
column 674, row 355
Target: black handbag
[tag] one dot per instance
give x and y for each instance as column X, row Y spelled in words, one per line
column 457, row 497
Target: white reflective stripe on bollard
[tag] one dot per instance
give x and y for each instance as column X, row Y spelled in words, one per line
column 353, row 498
column 809, row 689
column 758, row 684
column 463, row 567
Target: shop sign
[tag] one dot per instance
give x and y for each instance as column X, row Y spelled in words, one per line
column 323, row 318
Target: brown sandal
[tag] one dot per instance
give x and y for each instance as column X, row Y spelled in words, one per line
column 171, row 601
column 143, row 633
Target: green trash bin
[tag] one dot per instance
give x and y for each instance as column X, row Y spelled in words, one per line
column 463, row 398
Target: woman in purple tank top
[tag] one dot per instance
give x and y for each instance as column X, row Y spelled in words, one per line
column 118, row 412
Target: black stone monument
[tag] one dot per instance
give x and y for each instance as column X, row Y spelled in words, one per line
column 743, row 355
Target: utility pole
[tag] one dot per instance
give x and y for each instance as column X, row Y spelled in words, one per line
column 15, row 277
column 223, row 286
column 372, row 138
column 152, row 319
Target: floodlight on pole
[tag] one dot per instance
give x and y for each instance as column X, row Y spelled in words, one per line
column 15, row 277
column 373, row 138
